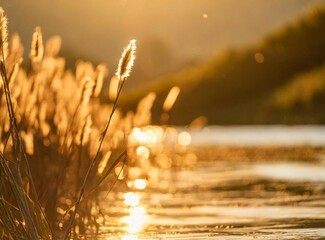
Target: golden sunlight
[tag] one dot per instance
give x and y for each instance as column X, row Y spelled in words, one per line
column 136, row 220
column 171, row 98
column 131, row 199
column 128, row 237
column 138, row 136
column 147, row 137
column 184, row 138
column 140, row 184
column 113, row 86
column 143, row 152
column 137, row 214
column 103, row 163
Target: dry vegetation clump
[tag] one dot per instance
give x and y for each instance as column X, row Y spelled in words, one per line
column 50, row 145
column 58, row 143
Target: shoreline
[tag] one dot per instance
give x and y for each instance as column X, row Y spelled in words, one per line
column 301, row 153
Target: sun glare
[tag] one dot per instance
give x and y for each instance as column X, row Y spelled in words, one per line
column 145, row 136
column 205, row 16
column 140, row 184
column 143, row 152
column 131, row 199
column 137, row 216
column 136, row 220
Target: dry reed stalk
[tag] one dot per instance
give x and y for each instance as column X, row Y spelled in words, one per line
column 171, row 98
column 3, row 35
column 87, row 90
column 28, row 202
column 37, row 47
column 42, row 124
column 125, row 65
column 113, row 87
column 101, row 73
column 143, row 114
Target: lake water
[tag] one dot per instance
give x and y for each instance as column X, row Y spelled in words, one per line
column 273, row 192
column 260, row 135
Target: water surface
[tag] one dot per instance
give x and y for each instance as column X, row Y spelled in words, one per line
column 255, row 197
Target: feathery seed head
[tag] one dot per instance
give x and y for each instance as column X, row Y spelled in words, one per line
column 3, row 34
column 87, row 130
column 126, row 61
column 87, row 89
column 37, row 50
column 171, row 98
column 53, row 46
column 101, row 73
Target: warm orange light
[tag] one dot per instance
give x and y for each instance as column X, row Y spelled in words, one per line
column 143, row 152
column 103, row 163
column 146, row 136
column 131, row 199
column 138, row 136
column 259, row 57
column 152, row 135
column 119, row 171
column 113, row 85
column 171, row 98
column 136, row 220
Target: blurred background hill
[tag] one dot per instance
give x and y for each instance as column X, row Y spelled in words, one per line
column 279, row 80
column 236, row 62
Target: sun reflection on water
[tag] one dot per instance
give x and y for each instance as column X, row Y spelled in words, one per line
column 131, row 199
column 137, row 215
column 150, row 135
column 129, row 237
column 152, row 152
column 136, row 220
column 140, row 184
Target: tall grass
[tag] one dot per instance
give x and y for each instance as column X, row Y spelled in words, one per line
column 59, row 143
column 51, row 142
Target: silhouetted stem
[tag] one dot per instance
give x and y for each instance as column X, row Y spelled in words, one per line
column 92, row 164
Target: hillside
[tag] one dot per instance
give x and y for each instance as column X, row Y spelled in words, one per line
column 301, row 100
column 235, row 87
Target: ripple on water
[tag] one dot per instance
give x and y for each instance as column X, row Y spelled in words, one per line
column 225, row 200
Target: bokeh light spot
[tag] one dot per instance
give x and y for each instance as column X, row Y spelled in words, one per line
column 131, row 199
column 184, row 138
column 259, row 57
column 143, row 152
column 140, row 184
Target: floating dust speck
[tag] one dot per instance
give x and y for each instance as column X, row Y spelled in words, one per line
column 259, row 57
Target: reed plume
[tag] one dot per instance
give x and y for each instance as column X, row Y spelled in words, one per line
column 126, row 61
column 3, row 35
column 171, row 98
column 46, row 125
column 88, row 85
column 123, row 71
column 101, row 73
column 37, row 48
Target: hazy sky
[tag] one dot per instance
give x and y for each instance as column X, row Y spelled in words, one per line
column 182, row 29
